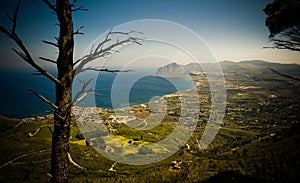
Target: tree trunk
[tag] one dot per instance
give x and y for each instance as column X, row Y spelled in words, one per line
column 62, row 116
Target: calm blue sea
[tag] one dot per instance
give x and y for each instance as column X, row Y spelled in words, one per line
column 17, row 102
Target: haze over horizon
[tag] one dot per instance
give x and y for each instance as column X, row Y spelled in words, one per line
column 233, row 30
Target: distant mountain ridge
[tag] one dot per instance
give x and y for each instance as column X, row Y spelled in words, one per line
column 252, row 66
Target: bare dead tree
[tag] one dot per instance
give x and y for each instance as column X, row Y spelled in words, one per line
column 67, row 68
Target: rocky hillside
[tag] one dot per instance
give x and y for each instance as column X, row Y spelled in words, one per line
column 170, row 70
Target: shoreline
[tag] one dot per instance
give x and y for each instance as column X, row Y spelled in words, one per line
column 47, row 114
column 106, row 109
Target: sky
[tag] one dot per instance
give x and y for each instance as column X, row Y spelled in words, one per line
column 233, row 30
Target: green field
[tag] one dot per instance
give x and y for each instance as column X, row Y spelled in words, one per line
column 258, row 140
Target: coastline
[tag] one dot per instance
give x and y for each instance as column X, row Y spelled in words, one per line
column 99, row 109
column 33, row 110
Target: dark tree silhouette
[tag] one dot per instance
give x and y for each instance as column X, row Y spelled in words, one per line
column 66, row 69
column 283, row 23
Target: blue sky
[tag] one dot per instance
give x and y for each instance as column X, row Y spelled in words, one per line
column 233, row 29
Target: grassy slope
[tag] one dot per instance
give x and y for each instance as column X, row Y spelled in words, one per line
column 261, row 159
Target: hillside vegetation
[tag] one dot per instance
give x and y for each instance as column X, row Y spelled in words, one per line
column 257, row 142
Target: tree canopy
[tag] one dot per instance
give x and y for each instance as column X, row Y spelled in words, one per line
column 283, row 22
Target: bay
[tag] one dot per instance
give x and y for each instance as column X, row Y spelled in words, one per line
column 16, row 102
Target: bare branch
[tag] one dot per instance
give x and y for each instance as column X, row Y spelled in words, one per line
column 78, row 30
column 100, row 45
column 73, row 3
column 81, row 8
column 48, row 60
column 287, row 39
column 12, row 19
column 126, row 33
column 104, row 70
column 34, row 162
column 44, row 99
column 50, row 43
column 290, row 43
column 16, row 16
column 111, row 169
column 36, row 74
column 22, row 156
column 37, row 131
column 24, row 53
column 20, row 54
column 9, row 17
column 284, row 75
column 282, row 47
column 102, row 52
column 199, row 145
column 77, row 61
column 82, row 96
column 73, row 6
column 74, row 163
column 83, row 92
column 19, row 124
column 51, row 6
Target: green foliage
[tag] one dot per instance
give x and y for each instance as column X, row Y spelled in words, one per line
column 283, row 21
column 282, row 15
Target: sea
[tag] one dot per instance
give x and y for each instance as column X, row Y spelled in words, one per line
column 111, row 90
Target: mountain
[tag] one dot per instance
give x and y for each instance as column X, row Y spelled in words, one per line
column 171, row 69
column 250, row 67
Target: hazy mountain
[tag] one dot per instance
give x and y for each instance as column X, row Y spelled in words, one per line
column 171, row 70
column 250, row 67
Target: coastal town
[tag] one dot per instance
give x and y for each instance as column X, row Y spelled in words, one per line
column 250, row 105
column 261, row 110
